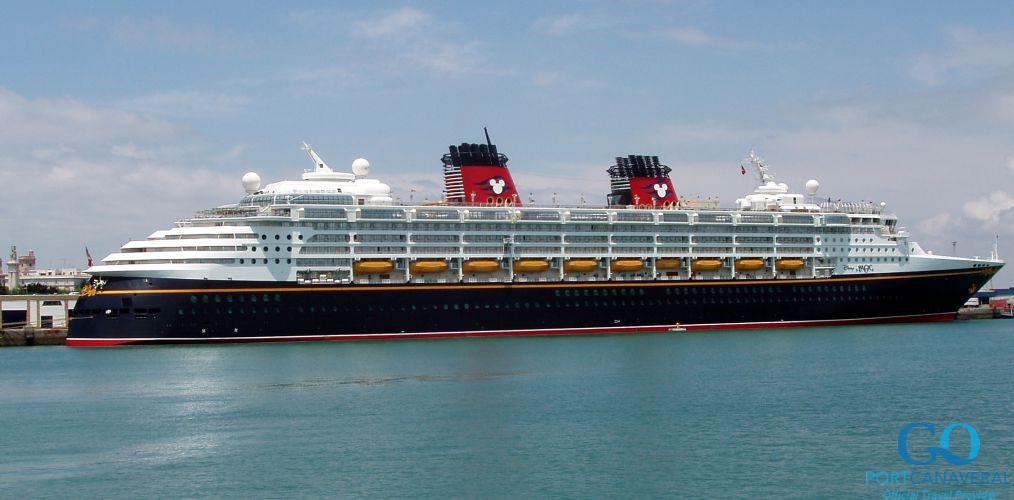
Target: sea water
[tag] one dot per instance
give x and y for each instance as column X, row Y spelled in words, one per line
column 803, row 412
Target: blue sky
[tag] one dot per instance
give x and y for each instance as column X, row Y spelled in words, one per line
column 120, row 117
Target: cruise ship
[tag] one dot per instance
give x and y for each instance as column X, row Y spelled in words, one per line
column 333, row 256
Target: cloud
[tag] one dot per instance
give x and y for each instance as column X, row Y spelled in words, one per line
column 64, row 121
column 76, row 173
column 695, row 37
column 130, row 151
column 944, row 223
column 402, row 22
column 545, row 78
column 990, row 208
column 970, row 53
column 187, row 104
column 164, row 33
column 446, row 59
column 569, row 24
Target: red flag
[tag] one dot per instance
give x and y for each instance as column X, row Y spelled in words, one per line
column 89, row 255
column 742, row 169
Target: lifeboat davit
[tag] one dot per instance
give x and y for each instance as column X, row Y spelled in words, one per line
column 373, row 267
column 699, row 265
column 626, row 265
column 789, row 264
column 580, row 265
column 427, row 266
column 749, row 264
column 667, row 264
column 480, row 266
column 530, row 265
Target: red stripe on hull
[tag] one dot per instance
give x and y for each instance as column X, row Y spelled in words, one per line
column 924, row 318
column 937, row 317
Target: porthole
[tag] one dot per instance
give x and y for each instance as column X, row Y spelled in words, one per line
column 277, row 237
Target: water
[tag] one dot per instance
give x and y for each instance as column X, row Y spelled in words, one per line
column 793, row 413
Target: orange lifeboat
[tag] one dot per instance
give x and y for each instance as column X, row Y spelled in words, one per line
column 626, row 265
column 749, row 264
column 699, row 265
column 530, row 265
column 427, row 266
column 789, row 264
column 480, row 266
column 667, row 264
column 373, row 267
column 580, row 265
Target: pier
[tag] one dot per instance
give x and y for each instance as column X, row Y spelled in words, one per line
column 34, row 319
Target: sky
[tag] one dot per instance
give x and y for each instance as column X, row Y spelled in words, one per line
column 119, row 118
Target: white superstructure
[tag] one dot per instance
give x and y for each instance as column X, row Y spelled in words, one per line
column 334, row 227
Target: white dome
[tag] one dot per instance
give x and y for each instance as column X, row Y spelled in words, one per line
column 812, row 186
column 251, row 182
column 361, row 167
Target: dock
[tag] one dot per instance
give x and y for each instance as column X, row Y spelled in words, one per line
column 40, row 319
column 28, row 336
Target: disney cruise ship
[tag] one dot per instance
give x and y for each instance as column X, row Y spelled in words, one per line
column 333, row 257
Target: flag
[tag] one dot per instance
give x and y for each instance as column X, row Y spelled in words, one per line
column 742, row 170
column 89, row 255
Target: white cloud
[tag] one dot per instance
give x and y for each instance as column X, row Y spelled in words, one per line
column 398, row 23
column 970, row 53
column 695, row 37
column 187, row 104
column 545, row 78
column 943, row 223
column 990, row 208
column 164, row 33
column 446, row 59
column 77, row 173
column 130, row 151
column 64, row 122
column 568, row 24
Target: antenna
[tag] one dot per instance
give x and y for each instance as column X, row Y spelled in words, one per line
column 488, row 142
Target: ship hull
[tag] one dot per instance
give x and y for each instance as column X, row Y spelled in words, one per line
column 161, row 311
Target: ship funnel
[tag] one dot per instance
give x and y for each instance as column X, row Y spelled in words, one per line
column 477, row 174
column 641, row 181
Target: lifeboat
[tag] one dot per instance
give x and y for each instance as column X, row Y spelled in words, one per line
column 789, row 264
column 427, row 266
column 626, row 265
column 530, row 265
column 373, row 267
column 699, row 265
column 580, row 265
column 749, row 264
column 667, row 264
column 480, row 266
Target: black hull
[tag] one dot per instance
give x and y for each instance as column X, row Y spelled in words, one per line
column 146, row 310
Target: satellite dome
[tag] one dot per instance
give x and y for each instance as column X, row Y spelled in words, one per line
column 812, row 186
column 361, row 167
column 251, row 182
